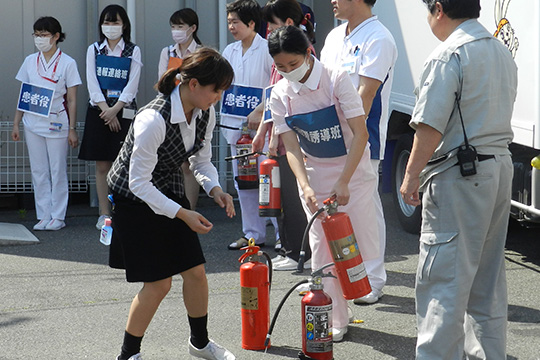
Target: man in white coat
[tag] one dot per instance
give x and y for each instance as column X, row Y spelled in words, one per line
column 365, row 48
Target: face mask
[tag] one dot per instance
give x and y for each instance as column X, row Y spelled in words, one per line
column 112, row 32
column 43, row 44
column 180, row 36
column 297, row 74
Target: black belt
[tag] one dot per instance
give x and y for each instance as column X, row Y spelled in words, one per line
column 481, row 157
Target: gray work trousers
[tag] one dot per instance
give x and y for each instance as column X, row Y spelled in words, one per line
column 461, row 299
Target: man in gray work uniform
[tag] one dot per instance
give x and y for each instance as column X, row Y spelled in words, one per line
column 461, row 300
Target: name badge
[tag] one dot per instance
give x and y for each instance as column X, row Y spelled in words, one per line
column 35, row 99
column 56, row 127
column 113, row 94
column 240, row 100
column 267, row 94
column 349, row 67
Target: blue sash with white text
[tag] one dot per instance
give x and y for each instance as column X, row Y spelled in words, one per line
column 112, row 72
column 240, row 100
column 319, row 132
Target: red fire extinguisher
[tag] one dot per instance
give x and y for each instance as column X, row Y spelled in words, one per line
column 255, row 280
column 317, row 340
column 344, row 248
column 247, row 165
column 269, row 189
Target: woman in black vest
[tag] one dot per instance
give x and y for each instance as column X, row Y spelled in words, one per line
column 113, row 69
column 154, row 232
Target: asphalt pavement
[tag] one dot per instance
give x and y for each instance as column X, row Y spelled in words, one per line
column 60, row 301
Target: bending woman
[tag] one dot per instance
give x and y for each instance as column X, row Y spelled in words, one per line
column 327, row 151
column 154, row 230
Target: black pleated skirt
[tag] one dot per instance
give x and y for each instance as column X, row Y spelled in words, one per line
column 151, row 247
column 99, row 143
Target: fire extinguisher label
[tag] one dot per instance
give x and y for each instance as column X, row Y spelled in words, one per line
column 318, row 328
column 276, row 180
column 345, row 248
column 249, row 298
column 264, row 190
column 247, row 166
column 356, row 273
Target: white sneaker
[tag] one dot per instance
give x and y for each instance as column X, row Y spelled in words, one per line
column 137, row 356
column 211, row 351
column 42, row 224
column 289, row 264
column 278, row 258
column 55, row 224
column 101, row 221
column 338, row 333
column 370, row 298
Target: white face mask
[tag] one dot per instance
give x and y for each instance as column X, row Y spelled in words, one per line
column 43, row 44
column 180, row 36
column 112, row 32
column 297, row 74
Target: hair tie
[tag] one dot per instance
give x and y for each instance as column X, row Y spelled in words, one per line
column 178, row 77
column 305, row 19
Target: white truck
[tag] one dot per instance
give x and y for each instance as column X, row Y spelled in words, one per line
column 515, row 22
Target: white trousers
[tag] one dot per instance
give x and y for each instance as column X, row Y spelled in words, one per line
column 375, row 267
column 461, row 300
column 48, row 163
column 253, row 225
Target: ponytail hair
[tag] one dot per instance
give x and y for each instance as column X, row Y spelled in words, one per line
column 204, row 64
column 289, row 9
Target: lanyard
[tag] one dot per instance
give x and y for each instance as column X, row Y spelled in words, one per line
column 54, row 70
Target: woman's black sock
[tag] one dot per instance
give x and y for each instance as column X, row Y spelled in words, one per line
column 131, row 346
column 199, row 332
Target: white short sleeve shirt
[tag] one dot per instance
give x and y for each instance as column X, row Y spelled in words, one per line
column 60, row 73
column 368, row 51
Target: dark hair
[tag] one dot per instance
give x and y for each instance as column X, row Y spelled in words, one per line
column 189, row 17
column 284, row 9
column 50, row 24
column 289, row 39
column 247, row 10
column 204, row 64
column 110, row 13
column 370, row 2
column 456, row 9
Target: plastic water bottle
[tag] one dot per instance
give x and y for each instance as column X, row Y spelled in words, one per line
column 106, row 232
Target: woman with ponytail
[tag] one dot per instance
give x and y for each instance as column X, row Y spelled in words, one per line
column 154, row 230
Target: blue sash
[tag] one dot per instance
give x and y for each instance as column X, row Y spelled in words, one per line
column 319, row 132
column 240, row 100
column 267, row 111
column 35, row 99
column 112, row 72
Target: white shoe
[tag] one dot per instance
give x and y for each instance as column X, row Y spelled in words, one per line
column 277, row 259
column 55, row 224
column 101, row 221
column 289, row 264
column 137, row 356
column 370, row 298
column 211, row 351
column 42, row 224
column 338, row 333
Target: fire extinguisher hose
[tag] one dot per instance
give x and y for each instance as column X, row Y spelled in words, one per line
column 302, row 257
column 274, row 319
